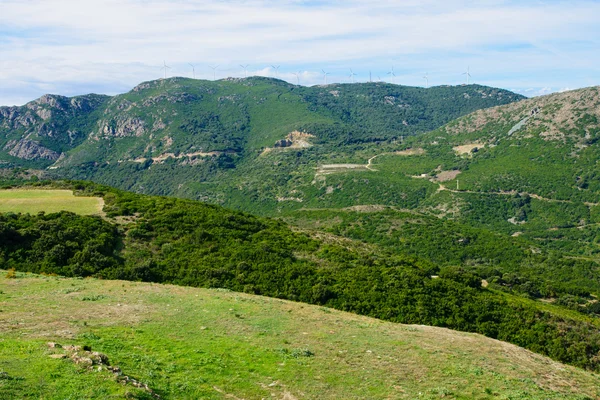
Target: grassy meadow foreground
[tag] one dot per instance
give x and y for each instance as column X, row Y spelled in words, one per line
column 48, row 200
column 215, row 344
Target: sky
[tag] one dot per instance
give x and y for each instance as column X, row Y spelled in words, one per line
column 72, row 47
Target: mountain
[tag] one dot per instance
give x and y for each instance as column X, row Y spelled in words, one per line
column 119, row 339
column 193, row 130
column 39, row 132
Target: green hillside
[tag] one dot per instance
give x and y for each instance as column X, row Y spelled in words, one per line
column 168, row 240
column 188, row 343
column 527, row 169
column 514, row 264
column 500, row 193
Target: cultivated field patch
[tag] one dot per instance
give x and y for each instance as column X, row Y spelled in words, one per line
column 411, row 152
column 33, row 201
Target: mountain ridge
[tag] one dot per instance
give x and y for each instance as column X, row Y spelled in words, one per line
column 43, row 118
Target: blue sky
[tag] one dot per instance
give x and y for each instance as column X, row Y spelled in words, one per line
column 72, row 47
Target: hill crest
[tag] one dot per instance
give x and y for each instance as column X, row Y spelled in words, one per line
column 168, row 336
column 234, row 115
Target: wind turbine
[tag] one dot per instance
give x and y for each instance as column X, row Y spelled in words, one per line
column 193, row 70
column 426, row 77
column 468, row 74
column 276, row 68
column 392, row 74
column 245, row 67
column 165, row 67
column 297, row 77
column 325, row 75
column 214, row 68
column 352, row 75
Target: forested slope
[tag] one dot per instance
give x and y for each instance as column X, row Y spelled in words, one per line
column 169, row 240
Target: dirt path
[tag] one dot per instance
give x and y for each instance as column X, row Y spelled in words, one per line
column 326, row 169
column 370, row 162
column 332, row 168
column 442, row 188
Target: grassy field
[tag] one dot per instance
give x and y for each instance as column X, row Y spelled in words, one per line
column 214, row 344
column 33, row 201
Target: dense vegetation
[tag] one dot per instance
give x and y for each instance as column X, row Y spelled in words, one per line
column 513, row 264
column 178, row 241
column 538, row 182
column 377, row 111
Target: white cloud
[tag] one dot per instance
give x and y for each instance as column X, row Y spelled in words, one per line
column 67, row 45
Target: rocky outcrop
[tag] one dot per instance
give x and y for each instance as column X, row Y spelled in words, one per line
column 30, row 150
column 44, row 113
column 53, row 101
column 46, row 129
column 172, row 98
column 95, row 361
column 49, row 115
column 141, row 86
column 283, row 143
column 14, row 118
column 158, row 125
column 123, row 127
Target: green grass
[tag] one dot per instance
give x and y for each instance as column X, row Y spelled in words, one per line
column 33, row 201
column 189, row 343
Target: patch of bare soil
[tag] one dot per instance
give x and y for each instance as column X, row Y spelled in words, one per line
column 410, row 152
column 467, row 148
column 164, row 157
column 327, row 169
column 125, row 220
column 366, row 208
column 101, row 207
column 293, row 141
column 445, row 176
column 296, row 199
column 298, row 137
